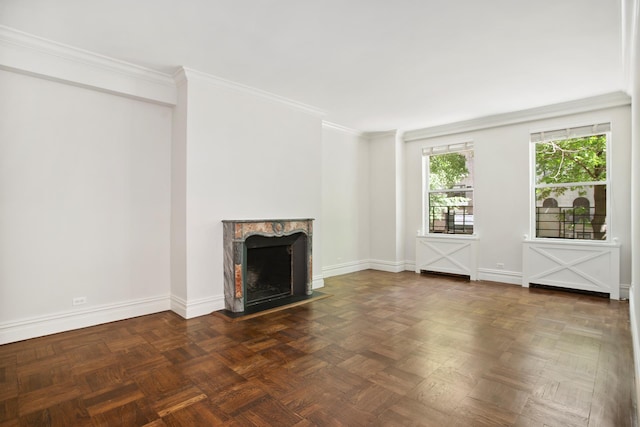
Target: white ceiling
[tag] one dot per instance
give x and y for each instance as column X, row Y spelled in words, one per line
column 371, row 65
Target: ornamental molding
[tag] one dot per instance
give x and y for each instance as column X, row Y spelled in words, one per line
column 343, row 129
column 600, row 102
column 36, row 56
column 184, row 73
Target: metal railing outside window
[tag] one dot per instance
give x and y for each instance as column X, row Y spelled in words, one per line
column 567, row 222
column 451, row 219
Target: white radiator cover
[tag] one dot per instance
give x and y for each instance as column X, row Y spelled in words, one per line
column 589, row 266
column 452, row 254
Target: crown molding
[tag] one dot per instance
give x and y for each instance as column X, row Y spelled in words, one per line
column 188, row 73
column 610, row 100
column 381, row 134
column 28, row 54
column 180, row 77
column 340, row 128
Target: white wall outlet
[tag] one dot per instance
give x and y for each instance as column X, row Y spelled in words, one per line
column 79, row 300
column 500, row 265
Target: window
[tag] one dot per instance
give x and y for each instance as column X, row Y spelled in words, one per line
column 448, row 201
column 570, row 167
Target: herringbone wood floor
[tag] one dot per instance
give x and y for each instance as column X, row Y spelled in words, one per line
column 385, row 349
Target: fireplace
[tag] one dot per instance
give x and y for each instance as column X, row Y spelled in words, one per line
column 266, row 262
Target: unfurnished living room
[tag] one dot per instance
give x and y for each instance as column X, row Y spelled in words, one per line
column 305, row 213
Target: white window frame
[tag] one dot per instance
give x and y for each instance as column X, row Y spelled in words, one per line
column 457, row 147
column 577, row 131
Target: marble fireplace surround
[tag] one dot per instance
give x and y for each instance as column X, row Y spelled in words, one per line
column 235, row 233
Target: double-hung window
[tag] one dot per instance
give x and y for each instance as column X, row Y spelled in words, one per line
column 448, row 184
column 570, row 182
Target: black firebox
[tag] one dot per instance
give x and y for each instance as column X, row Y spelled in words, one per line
column 276, row 267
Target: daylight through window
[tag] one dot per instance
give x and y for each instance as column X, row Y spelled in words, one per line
column 570, row 182
column 449, row 188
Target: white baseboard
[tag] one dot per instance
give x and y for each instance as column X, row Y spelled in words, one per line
column 635, row 339
column 344, row 268
column 625, row 291
column 389, row 266
column 75, row 319
column 195, row 308
column 410, row 266
column 318, row 282
column 502, row 276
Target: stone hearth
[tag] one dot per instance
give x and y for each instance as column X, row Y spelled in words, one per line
column 266, row 260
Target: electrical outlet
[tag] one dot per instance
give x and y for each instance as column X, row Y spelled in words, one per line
column 500, row 265
column 79, row 300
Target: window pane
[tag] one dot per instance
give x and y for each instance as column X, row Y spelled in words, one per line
column 451, row 170
column 572, row 160
column 572, row 212
column 451, row 212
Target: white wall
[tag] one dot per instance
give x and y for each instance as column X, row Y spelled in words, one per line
column 84, row 206
column 345, row 201
column 632, row 38
column 386, row 217
column 502, row 189
column 248, row 156
column 400, row 201
column 179, row 197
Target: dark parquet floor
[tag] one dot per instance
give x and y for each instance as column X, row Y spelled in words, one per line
column 384, row 349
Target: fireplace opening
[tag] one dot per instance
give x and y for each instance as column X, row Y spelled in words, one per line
column 268, row 274
column 276, row 267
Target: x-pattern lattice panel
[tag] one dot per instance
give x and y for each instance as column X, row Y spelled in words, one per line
column 584, row 267
column 456, row 256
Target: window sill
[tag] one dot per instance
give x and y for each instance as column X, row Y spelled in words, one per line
column 448, row 236
column 614, row 243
